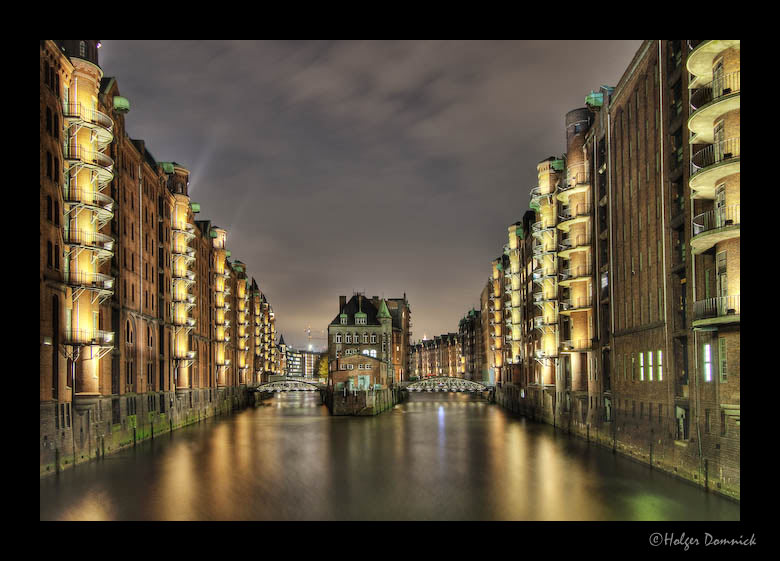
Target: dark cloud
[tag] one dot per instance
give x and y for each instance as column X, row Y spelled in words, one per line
column 377, row 166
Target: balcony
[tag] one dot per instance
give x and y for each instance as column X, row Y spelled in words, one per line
column 711, row 164
column 102, row 205
column 541, row 322
column 186, row 230
column 576, row 345
column 578, row 304
column 538, row 229
column 721, row 310
column 89, row 337
column 702, row 54
column 574, row 274
column 184, row 355
column 714, row 226
column 541, row 196
column 540, row 250
column 186, row 253
column 97, row 121
column 709, row 102
column 102, row 165
column 577, row 182
column 102, row 286
column 568, row 217
column 572, row 244
column 101, row 244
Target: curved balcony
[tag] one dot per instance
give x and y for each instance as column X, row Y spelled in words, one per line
column 577, row 182
column 538, row 229
column 575, row 345
column 711, row 164
column 575, row 274
column 544, row 275
column 709, row 102
column 568, row 217
column 541, row 196
column 186, row 230
column 573, row 244
column 578, row 304
column 101, row 285
column 185, row 298
column 539, row 249
column 99, row 203
column 541, row 322
column 712, row 312
column 702, row 55
column 102, row 165
column 187, row 254
column 101, row 244
column 102, row 124
column 715, row 226
column 89, row 337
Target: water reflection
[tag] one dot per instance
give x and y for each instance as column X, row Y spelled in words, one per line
column 436, row 457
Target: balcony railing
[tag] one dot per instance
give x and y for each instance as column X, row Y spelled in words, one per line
column 715, row 154
column 76, row 152
column 96, row 199
column 78, row 111
column 576, row 241
column 574, row 272
column 576, row 345
column 88, row 239
column 569, row 213
column 89, row 337
column 716, row 218
column 575, row 303
column 720, row 87
column 720, row 306
column 96, row 281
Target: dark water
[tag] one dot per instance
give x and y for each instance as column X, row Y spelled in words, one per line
column 436, row 457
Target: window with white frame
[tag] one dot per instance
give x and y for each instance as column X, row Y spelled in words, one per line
column 365, row 337
column 338, row 337
column 348, row 338
column 707, row 362
column 368, row 367
column 373, row 338
column 722, row 373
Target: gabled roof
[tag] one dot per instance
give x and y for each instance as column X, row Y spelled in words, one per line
column 358, row 303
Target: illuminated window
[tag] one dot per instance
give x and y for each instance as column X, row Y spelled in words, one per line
column 660, row 365
column 723, row 374
column 650, row 364
column 707, row 363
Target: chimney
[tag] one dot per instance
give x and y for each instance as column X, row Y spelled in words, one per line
column 342, row 303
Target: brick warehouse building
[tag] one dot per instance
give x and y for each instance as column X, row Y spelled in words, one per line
column 138, row 299
column 635, row 259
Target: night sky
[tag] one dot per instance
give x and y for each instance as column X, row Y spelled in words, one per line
column 380, row 167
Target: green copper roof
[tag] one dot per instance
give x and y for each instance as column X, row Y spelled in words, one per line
column 535, row 206
column 195, row 207
column 360, row 314
column 167, row 167
column 212, row 233
column 121, row 104
column 228, row 253
column 383, row 311
column 594, row 99
column 519, row 232
column 557, row 165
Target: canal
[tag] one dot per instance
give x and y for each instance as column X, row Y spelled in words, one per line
column 435, row 457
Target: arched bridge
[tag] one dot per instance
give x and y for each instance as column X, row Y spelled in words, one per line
column 447, row 384
column 287, row 386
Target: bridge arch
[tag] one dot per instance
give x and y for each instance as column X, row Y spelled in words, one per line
column 287, row 386
column 446, row 384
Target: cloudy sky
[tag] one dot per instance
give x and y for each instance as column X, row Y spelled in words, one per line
column 380, row 167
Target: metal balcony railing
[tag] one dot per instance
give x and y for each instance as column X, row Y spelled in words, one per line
column 576, row 241
column 184, row 355
column 716, row 218
column 576, row 345
column 569, row 213
column 722, row 86
column 96, row 281
column 88, row 239
column 574, row 272
column 89, row 337
column 715, row 154
column 93, row 116
column 575, row 303
column 719, row 306
column 74, row 151
column 91, row 198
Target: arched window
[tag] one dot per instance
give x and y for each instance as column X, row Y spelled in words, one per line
column 48, row 121
column 49, row 254
column 128, row 333
column 57, row 256
column 365, row 337
column 357, row 338
column 49, row 209
column 51, row 77
column 338, row 337
column 348, row 338
column 57, row 84
column 56, row 129
column 56, row 176
column 46, row 72
column 48, row 164
column 56, row 213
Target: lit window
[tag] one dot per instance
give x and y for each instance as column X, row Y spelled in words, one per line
column 723, row 374
column 650, row 364
column 707, row 363
column 660, row 365
column 641, row 367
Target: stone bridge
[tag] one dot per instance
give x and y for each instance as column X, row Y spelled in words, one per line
column 447, row 384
